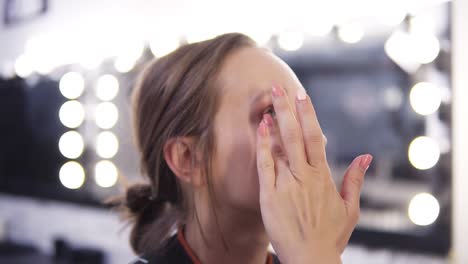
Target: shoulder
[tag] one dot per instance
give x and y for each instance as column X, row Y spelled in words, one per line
column 171, row 253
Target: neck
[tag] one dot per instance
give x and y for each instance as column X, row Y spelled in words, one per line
column 242, row 233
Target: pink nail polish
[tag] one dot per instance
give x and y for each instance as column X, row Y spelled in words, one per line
column 268, row 120
column 277, row 91
column 301, row 95
column 365, row 161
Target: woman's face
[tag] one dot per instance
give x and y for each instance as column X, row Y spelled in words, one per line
column 246, row 79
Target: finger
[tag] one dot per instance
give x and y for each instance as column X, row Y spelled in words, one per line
column 282, row 171
column 289, row 129
column 265, row 162
column 277, row 150
column 314, row 140
column 283, row 174
column 352, row 184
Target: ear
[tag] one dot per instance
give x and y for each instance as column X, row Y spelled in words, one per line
column 178, row 153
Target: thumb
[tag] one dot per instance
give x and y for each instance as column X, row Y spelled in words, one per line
column 352, row 183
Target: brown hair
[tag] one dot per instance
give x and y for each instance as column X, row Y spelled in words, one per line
column 176, row 96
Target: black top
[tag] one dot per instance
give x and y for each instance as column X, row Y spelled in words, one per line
column 178, row 251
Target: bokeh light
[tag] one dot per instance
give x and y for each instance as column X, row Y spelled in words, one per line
column 106, row 115
column 426, row 47
column 425, row 98
column 163, row 45
column 291, row 40
column 124, row 64
column 72, row 175
column 72, row 85
column 423, row 209
column 105, row 173
column 423, row 153
column 107, row 145
column 350, row 33
column 72, row 114
column 23, row 66
column 107, row 87
column 71, row 144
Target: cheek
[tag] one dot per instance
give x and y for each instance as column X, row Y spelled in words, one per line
column 237, row 169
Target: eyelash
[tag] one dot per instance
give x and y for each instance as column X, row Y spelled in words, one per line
column 270, row 109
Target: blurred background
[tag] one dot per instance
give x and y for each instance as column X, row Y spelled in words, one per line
column 380, row 74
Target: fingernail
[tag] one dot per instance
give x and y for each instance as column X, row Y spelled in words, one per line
column 262, row 128
column 301, row 94
column 277, row 91
column 365, row 161
column 268, row 120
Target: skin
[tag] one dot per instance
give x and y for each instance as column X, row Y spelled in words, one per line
column 267, row 191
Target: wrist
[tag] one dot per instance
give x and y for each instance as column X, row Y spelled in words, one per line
column 316, row 255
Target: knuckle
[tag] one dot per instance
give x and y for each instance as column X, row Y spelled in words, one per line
column 315, row 169
column 312, row 137
column 319, row 158
column 356, row 181
column 296, row 172
column 278, row 152
column 322, row 157
column 362, row 171
column 315, row 165
column 265, row 164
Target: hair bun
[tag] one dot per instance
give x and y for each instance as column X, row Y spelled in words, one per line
column 138, row 197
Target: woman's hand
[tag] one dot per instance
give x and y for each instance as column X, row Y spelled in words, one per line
column 306, row 218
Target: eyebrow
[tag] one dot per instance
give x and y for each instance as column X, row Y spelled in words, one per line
column 265, row 92
column 262, row 94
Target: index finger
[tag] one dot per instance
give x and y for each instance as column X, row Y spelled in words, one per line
column 289, row 128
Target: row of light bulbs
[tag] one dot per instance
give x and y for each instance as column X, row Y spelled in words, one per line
column 28, row 63
column 424, row 153
column 410, row 49
column 425, row 99
column 71, row 143
column 415, row 47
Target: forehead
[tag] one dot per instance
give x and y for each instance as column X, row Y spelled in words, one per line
column 248, row 71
